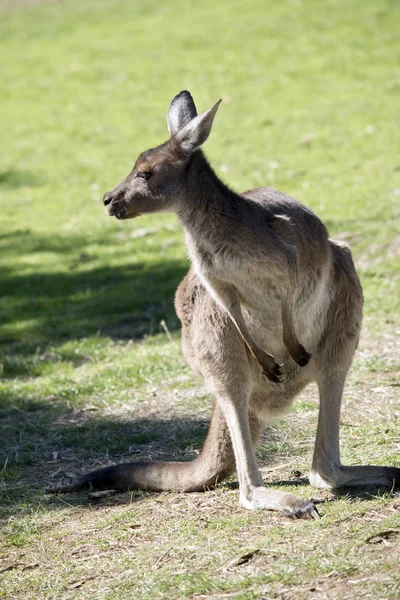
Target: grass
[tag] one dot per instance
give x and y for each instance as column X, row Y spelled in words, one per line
column 89, row 375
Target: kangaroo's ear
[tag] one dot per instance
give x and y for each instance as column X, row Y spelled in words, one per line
column 181, row 111
column 195, row 133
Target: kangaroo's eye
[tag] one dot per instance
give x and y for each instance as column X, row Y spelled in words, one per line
column 143, row 174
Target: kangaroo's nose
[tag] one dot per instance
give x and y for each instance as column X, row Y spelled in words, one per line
column 107, row 199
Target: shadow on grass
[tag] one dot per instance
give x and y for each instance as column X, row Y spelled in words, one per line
column 45, row 309
column 41, row 439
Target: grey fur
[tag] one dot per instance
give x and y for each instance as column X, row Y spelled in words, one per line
column 263, row 270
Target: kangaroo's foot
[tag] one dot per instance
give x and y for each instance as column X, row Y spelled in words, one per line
column 269, row 367
column 331, row 477
column 257, row 497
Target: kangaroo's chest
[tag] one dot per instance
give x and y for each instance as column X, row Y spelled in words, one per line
column 234, row 266
column 259, row 294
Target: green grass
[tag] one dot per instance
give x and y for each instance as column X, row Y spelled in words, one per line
column 89, row 375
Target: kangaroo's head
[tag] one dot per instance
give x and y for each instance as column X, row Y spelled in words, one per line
column 159, row 177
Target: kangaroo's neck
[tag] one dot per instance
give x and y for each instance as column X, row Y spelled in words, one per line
column 207, row 201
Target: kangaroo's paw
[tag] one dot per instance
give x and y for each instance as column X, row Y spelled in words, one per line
column 270, row 368
column 301, row 356
column 275, row 374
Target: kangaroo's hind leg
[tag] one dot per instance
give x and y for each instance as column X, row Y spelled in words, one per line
column 332, row 363
column 327, row 470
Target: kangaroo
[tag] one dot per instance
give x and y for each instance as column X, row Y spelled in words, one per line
column 263, row 273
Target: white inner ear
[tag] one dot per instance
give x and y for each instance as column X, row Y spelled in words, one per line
column 196, row 132
column 173, row 120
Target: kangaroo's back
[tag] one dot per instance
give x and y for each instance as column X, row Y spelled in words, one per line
column 297, row 225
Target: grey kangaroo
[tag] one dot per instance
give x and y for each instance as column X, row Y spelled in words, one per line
column 263, row 273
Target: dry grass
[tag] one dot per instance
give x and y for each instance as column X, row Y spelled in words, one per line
column 141, row 545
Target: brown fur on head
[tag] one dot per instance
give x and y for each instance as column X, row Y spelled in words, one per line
column 159, row 177
column 151, row 185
